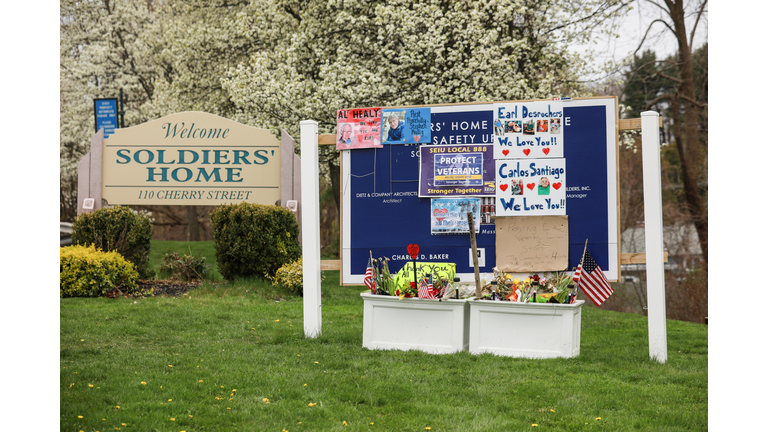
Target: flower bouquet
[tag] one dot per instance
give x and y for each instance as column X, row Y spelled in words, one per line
column 552, row 289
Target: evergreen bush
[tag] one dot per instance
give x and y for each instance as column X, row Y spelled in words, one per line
column 254, row 239
column 85, row 271
column 184, row 268
column 118, row 229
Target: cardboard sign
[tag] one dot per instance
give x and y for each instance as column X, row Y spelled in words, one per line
column 532, row 244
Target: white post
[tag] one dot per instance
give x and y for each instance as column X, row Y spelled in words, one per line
column 654, row 237
column 310, row 231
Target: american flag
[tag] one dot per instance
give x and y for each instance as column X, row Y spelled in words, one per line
column 592, row 280
column 369, row 282
column 425, row 289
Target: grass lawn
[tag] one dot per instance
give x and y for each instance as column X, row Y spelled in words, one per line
column 230, row 357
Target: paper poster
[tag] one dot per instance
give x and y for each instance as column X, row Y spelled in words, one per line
column 358, row 128
column 528, row 130
column 456, row 170
column 406, row 126
column 532, row 244
column 449, row 215
column 530, row 187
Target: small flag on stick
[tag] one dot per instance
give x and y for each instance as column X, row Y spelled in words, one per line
column 369, row 282
column 425, row 289
column 591, row 279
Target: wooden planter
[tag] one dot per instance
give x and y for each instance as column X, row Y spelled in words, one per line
column 437, row 327
column 533, row 330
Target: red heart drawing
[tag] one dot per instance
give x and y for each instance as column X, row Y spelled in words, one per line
column 527, row 151
column 546, row 151
column 503, row 187
column 505, row 152
column 413, row 250
column 439, row 212
column 531, row 185
column 416, row 138
column 556, row 185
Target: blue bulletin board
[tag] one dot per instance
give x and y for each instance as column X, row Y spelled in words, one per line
column 382, row 212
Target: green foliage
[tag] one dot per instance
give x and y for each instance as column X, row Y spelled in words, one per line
column 119, row 229
column 184, row 268
column 254, row 239
column 88, row 272
column 291, row 277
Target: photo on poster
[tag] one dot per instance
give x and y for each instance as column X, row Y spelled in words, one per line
column 449, row 215
column 531, row 187
column 406, row 126
column 530, row 130
column 457, row 170
column 358, row 128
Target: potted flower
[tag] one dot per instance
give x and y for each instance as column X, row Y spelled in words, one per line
column 395, row 318
column 527, row 318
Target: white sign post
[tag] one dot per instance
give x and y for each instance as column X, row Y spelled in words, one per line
column 654, row 240
column 310, row 189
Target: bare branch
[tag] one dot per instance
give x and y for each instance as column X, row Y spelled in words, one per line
column 648, row 30
column 698, row 17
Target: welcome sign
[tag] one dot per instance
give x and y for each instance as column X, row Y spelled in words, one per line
column 191, row 158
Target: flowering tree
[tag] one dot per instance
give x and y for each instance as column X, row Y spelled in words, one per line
column 105, row 46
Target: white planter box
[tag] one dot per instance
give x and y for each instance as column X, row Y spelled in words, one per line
column 437, row 327
column 533, row 330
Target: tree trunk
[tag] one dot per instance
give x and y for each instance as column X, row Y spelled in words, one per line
column 689, row 148
column 194, row 229
column 335, row 173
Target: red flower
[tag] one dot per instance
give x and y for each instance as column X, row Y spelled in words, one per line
column 413, row 285
column 535, row 277
column 397, row 293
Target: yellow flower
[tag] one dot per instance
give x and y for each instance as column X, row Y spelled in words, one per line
column 79, row 416
column 90, row 385
column 427, row 428
column 371, row 423
column 552, row 410
column 170, row 400
column 173, row 419
column 170, row 365
column 82, row 340
column 277, row 320
column 143, row 383
column 598, row 418
column 317, row 362
column 190, row 416
column 345, row 423
column 200, row 381
column 123, row 424
column 305, row 385
column 117, row 406
column 311, row 404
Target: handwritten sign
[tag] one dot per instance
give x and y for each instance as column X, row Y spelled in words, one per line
column 533, row 187
column 405, row 126
column 528, row 130
column 532, row 244
column 358, row 128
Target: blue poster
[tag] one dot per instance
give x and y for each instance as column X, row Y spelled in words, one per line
column 405, row 126
column 449, row 215
column 105, row 111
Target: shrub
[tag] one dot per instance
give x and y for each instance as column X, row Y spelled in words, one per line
column 254, row 239
column 184, row 268
column 88, row 272
column 291, row 277
column 118, row 229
